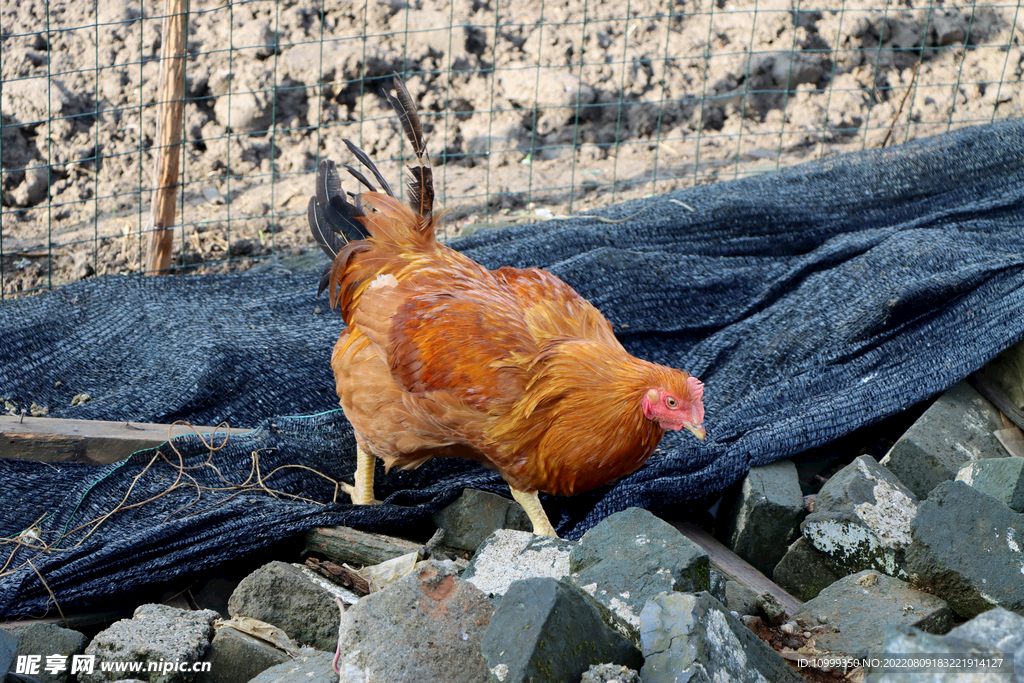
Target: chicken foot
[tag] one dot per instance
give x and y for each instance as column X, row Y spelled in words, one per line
column 531, row 503
column 362, row 492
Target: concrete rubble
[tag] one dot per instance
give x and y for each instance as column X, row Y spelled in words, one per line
column 957, row 429
column 766, row 515
column 693, row 637
column 155, row 634
column 855, row 611
column 631, row 557
column 968, row 548
column 861, row 519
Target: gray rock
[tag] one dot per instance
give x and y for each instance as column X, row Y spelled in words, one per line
column 858, row 608
column 8, row 648
column 997, row 630
column 804, row 571
column 861, row 519
column 716, row 582
column 1001, row 478
column 968, row 548
column 50, row 639
column 632, row 556
column 475, row 515
column 547, row 630
column 766, row 514
column 909, row 642
column 740, row 599
column 283, row 595
column 155, row 633
column 694, row 638
column 427, row 626
column 769, row 607
column 955, row 430
column 509, row 555
column 610, row 673
column 311, row 667
column 237, row 657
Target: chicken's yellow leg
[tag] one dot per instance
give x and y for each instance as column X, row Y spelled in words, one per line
column 362, row 492
column 531, row 503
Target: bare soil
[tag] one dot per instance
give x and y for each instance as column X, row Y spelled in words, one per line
column 534, row 109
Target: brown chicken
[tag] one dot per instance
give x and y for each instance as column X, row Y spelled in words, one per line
column 445, row 358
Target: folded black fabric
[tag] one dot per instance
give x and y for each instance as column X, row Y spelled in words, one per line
column 811, row 301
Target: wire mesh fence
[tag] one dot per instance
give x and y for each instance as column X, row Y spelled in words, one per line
column 533, row 109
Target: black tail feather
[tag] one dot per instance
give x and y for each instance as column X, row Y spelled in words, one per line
column 368, row 163
column 361, row 178
column 406, row 109
column 421, row 185
column 325, row 280
column 332, row 220
column 421, row 190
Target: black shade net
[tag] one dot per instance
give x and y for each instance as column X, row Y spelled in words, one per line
column 811, row 301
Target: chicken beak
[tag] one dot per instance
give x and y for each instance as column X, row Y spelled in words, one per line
column 698, row 431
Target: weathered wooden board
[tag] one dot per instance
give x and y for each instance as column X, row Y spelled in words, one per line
column 47, row 439
column 736, row 568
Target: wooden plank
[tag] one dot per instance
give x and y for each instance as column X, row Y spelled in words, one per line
column 341, row 544
column 47, row 439
column 736, row 568
column 169, row 130
column 1012, row 440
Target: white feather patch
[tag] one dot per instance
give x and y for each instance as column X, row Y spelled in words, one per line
column 383, row 280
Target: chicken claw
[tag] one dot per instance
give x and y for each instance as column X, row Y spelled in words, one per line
column 362, row 492
column 531, row 503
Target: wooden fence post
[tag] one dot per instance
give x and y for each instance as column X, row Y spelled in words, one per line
column 169, row 132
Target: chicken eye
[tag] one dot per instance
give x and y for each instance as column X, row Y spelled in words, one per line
column 671, row 402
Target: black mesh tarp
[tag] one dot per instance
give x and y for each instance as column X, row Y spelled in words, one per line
column 811, row 301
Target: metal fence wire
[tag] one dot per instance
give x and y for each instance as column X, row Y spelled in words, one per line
column 533, row 109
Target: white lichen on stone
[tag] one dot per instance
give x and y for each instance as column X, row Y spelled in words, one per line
column 723, row 638
column 624, row 611
column 503, row 561
column 350, row 670
column 989, row 599
column 845, row 541
column 641, row 540
column 591, row 588
column 970, row 454
column 1011, row 542
column 976, row 423
column 890, row 515
column 839, row 539
column 500, row 671
column 966, row 474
